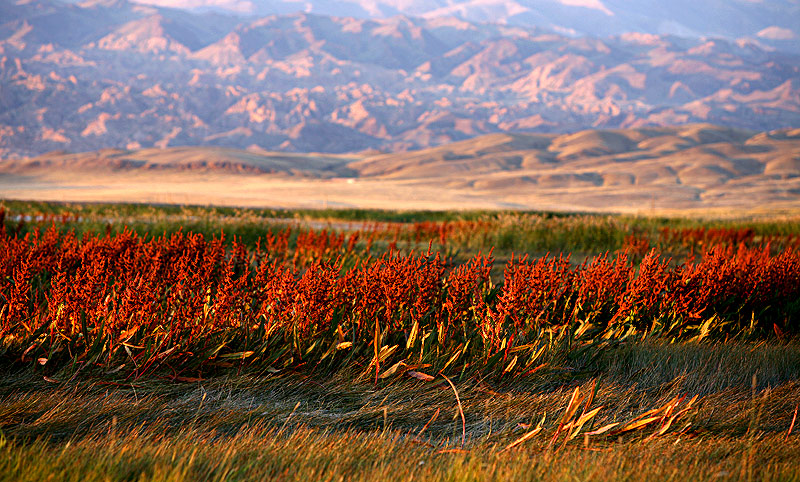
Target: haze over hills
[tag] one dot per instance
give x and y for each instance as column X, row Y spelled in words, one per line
column 693, row 167
column 113, row 74
column 772, row 21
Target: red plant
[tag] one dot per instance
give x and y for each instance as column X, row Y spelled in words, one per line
column 149, row 300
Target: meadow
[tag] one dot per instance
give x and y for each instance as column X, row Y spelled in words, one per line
column 144, row 342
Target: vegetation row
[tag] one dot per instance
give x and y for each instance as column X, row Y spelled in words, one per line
column 186, row 304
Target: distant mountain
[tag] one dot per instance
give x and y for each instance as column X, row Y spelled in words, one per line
column 773, row 21
column 109, row 73
column 696, row 166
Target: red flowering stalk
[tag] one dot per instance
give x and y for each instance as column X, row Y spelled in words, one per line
column 641, row 301
column 465, row 287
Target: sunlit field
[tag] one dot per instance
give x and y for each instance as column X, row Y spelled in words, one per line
column 185, row 343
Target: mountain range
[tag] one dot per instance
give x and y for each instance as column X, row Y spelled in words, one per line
column 114, row 74
column 773, row 21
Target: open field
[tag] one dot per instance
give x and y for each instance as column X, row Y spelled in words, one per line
column 179, row 343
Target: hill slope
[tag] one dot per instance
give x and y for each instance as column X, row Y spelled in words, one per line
column 696, row 166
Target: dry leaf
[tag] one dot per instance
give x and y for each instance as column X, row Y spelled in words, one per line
column 420, row 376
column 522, row 439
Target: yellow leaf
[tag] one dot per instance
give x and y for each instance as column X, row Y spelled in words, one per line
column 602, row 429
column 413, row 336
column 522, row 439
column 691, row 402
column 521, row 348
column 668, row 424
column 392, row 370
column 572, row 407
column 386, row 352
column 234, row 356
column 510, row 365
column 638, row 424
column 655, row 411
column 591, row 395
column 453, row 358
column 582, row 420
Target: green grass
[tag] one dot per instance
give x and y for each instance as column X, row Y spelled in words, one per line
column 536, row 233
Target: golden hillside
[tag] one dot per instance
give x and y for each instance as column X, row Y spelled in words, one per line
column 689, row 167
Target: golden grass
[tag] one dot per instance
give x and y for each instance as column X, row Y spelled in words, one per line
column 572, row 423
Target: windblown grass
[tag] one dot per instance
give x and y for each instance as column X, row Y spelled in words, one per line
column 138, row 343
column 294, row 427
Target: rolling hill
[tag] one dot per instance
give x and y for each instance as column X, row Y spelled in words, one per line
column 692, row 167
